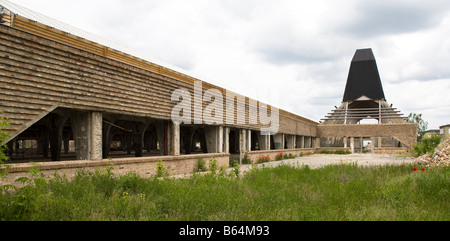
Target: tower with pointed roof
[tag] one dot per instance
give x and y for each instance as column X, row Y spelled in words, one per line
column 364, row 95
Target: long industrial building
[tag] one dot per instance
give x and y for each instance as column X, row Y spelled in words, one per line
column 72, row 96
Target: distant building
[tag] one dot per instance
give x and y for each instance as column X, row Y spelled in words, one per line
column 445, row 131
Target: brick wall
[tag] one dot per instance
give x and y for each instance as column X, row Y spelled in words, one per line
column 406, row 133
column 144, row 167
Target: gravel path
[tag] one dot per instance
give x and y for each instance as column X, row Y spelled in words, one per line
column 317, row 160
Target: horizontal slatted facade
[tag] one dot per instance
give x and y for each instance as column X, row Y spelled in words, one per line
column 38, row 74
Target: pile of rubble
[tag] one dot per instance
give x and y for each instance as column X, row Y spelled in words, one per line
column 441, row 156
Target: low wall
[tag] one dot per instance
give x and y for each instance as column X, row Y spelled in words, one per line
column 144, row 167
column 404, row 132
column 254, row 155
column 332, row 149
column 390, row 150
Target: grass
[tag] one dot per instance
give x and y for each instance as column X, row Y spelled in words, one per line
column 336, row 152
column 340, row 192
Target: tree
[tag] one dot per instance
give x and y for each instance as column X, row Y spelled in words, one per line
column 3, row 148
column 422, row 125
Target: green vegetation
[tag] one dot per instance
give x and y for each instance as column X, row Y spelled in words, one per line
column 279, row 157
column 232, row 160
column 3, row 148
column 340, row 192
column 213, row 165
column 336, row 152
column 422, row 125
column 427, row 145
column 263, row 159
column 161, row 170
column 201, row 166
column 246, row 160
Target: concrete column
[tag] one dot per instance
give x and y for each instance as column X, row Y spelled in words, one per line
column 290, row 141
column 361, row 144
column 352, row 144
column 226, row 140
column 242, row 144
column 175, row 139
column 372, row 146
column 242, row 140
column 249, row 140
column 278, row 140
column 87, row 131
column 345, row 142
column 96, row 122
column 220, row 139
column 316, row 142
column 307, row 140
column 264, row 142
column 214, row 139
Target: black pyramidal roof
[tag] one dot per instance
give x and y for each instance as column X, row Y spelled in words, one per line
column 364, row 78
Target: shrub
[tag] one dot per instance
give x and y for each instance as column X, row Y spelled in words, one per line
column 161, row 170
column 279, row 157
column 232, row 160
column 213, row 166
column 3, row 136
column 342, row 152
column 290, row 156
column 263, row 159
column 427, row 145
column 201, row 166
column 337, row 152
column 236, row 168
column 246, row 160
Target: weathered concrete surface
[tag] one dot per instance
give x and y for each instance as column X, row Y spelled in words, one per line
column 87, row 131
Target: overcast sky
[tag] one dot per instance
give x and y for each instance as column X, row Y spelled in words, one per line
column 292, row 54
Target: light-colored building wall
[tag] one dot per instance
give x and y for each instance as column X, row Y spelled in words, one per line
column 444, row 131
